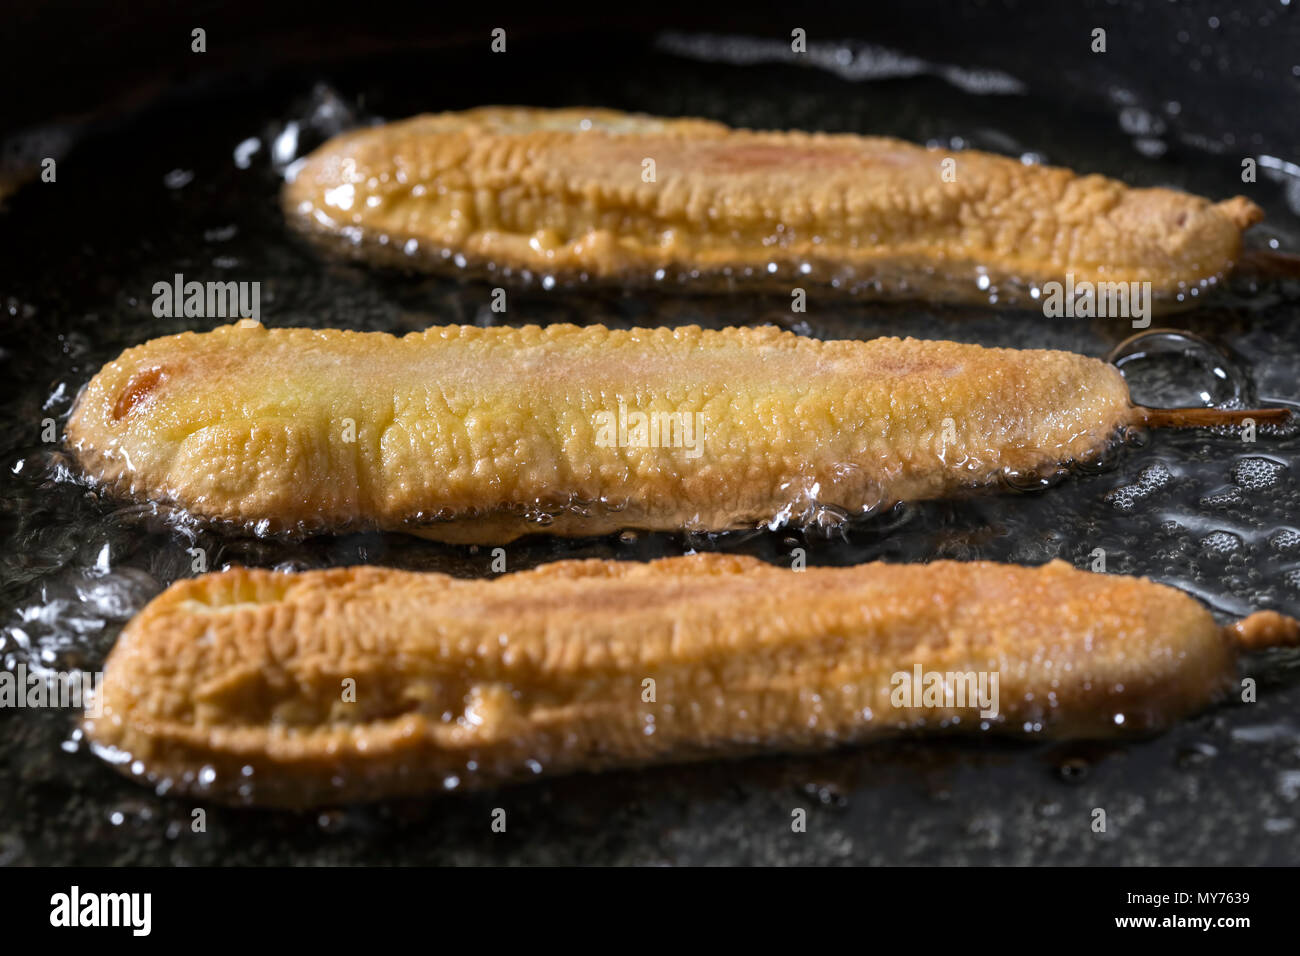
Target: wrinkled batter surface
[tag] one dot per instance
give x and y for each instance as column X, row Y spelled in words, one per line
column 484, row 434
column 565, row 192
column 237, row 683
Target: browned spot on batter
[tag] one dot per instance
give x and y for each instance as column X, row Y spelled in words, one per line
column 901, row 365
column 137, row 391
column 720, row 157
column 763, row 156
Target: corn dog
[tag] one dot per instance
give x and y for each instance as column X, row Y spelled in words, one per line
column 236, row 684
column 480, row 435
column 597, row 194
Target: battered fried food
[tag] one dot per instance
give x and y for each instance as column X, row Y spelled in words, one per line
column 362, row 683
column 481, row 435
column 584, row 193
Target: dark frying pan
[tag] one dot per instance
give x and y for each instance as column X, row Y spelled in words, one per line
column 144, row 134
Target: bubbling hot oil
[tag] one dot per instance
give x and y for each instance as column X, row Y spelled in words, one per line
column 64, row 597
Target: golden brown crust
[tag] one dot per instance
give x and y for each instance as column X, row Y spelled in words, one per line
column 234, row 684
column 1265, row 629
column 562, row 193
column 466, row 433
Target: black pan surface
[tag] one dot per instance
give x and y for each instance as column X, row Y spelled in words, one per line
column 161, row 191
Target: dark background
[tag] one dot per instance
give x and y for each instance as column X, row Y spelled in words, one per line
column 79, row 60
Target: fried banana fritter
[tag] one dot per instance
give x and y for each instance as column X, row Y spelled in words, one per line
column 484, row 434
column 361, row 683
column 596, row 194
